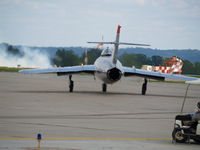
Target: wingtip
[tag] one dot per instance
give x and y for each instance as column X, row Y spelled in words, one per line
column 20, row 71
column 193, row 82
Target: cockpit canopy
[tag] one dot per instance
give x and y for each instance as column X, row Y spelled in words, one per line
column 106, row 52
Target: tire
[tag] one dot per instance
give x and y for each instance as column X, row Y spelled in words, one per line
column 178, row 136
column 71, row 86
column 144, row 88
column 104, row 87
column 197, row 141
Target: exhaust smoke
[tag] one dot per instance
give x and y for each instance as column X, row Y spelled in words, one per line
column 26, row 57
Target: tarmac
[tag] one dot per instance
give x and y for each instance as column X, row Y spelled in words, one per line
column 120, row 119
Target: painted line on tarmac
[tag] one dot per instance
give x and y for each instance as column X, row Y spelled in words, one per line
column 87, row 139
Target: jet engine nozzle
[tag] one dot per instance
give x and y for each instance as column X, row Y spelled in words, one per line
column 114, row 74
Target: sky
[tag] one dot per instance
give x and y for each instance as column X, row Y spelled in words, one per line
column 164, row 24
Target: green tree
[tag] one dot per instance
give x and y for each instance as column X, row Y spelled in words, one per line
column 142, row 59
column 65, row 58
column 156, row 60
column 92, row 55
column 129, row 60
column 188, row 67
column 136, row 60
column 197, row 68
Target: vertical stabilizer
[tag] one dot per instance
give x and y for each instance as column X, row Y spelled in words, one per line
column 116, row 46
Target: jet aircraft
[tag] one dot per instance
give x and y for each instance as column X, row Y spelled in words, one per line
column 109, row 69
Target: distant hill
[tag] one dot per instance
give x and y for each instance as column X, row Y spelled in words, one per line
column 186, row 54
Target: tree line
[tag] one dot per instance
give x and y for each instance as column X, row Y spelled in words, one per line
column 65, row 57
column 69, row 58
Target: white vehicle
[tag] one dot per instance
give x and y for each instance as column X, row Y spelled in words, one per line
column 109, row 69
column 185, row 129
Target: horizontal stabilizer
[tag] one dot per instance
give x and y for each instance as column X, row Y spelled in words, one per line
column 119, row 43
column 101, row 42
column 122, row 43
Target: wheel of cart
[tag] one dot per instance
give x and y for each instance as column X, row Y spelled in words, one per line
column 177, row 136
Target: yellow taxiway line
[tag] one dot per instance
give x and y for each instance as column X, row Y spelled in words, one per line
column 87, row 139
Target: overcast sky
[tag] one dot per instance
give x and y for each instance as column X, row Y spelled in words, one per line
column 165, row 24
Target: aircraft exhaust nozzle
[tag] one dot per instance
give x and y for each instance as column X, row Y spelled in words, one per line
column 114, row 74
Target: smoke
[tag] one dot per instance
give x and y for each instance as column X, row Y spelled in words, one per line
column 31, row 58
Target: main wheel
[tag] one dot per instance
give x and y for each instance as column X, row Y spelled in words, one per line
column 178, row 136
column 104, row 87
column 71, row 86
column 144, row 88
column 197, row 141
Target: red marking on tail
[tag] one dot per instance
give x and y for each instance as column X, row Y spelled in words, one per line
column 118, row 29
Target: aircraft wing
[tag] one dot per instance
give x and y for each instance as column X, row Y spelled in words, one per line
column 154, row 75
column 62, row 70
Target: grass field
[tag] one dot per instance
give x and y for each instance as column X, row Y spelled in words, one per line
column 10, row 69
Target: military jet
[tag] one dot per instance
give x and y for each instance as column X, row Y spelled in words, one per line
column 108, row 68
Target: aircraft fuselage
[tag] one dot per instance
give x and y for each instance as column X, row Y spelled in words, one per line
column 108, row 72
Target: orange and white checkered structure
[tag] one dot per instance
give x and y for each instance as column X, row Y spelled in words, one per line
column 173, row 65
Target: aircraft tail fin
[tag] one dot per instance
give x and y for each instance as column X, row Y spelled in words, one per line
column 116, row 45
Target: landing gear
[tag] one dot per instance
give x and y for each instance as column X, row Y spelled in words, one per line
column 144, row 87
column 104, row 87
column 71, row 84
